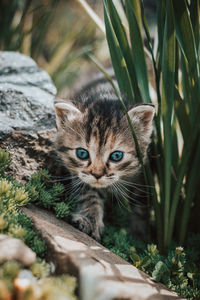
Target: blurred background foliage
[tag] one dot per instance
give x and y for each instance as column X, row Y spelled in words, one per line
column 57, row 34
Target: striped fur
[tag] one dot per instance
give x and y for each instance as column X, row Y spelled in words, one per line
column 94, row 120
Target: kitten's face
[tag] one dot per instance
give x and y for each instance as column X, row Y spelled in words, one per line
column 101, row 150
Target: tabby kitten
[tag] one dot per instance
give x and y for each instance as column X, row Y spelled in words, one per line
column 95, row 143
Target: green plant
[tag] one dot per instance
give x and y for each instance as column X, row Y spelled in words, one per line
column 176, row 146
column 16, row 224
column 178, row 269
column 12, row 221
column 43, row 192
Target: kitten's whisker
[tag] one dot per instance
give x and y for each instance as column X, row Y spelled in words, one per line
column 137, row 184
column 116, row 195
column 123, row 193
column 78, row 192
column 145, row 193
column 74, row 184
column 119, row 200
column 62, row 179
column 69, row 176
column 132, row 184
column 131, row 192
column 131, row 200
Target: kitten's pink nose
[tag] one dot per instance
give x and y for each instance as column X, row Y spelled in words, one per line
column 97, row 175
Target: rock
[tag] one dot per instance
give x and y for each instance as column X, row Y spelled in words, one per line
column 101, row 273
column 26, row 95
column 14, row 249
column 29, row 151
column 27, row 116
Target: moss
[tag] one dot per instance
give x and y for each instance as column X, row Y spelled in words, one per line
column 40, row 269
column 59, row 288
column 43, row 192
column 14, row 223
column 8, row 272
column 178, row 269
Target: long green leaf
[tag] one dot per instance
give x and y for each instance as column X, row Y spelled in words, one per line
column 193, row 180
column 150, row 44
column 168, row 71
column 185, row 36
column 156, row 145
column 161, row 12
column 118, row 61
column 182, row 116
column 125, row 49
column 187, row 152
column 134, row 19
column 195, row 16
column 186, row 85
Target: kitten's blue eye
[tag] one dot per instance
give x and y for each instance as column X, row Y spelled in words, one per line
column 116, row 156
column 82, row 153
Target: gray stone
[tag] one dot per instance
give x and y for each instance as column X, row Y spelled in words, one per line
column 27, row 116
column 14, row 249
column 26, row 95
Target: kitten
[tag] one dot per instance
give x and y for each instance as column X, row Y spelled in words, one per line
column 95, row 143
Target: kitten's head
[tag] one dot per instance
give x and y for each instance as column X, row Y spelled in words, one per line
column 96, row 143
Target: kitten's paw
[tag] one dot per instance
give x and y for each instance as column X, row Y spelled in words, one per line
column 91, row 226
column 97, row 230
column 82, row 223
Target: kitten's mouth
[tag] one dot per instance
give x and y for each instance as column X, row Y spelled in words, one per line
column 98, row 184
column 102, row 182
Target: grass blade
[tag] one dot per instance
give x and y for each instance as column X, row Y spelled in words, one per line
column 134, row 18
column 92, row 14
column 168, row 78
column 185, row 36
column 125, row 49
column 118, row 61
column 192, row 185
column 186, row 154
column 182, row 115
column 195, row 16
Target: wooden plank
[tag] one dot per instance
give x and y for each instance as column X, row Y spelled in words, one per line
column 102, row 275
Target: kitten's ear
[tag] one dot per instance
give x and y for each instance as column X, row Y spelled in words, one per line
column 66, row 112
column 142, row 116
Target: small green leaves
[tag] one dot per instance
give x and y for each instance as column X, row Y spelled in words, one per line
column 178, row 269
column 40, row 269
column 5, row 159
column 135, row 259
column 21, row 197
column 62, row 210
column 161, row 272
column 45, row 193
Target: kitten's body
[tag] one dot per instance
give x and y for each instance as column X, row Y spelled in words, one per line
column 95, row 122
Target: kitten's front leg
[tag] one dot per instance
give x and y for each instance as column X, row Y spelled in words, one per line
column 89, row 215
